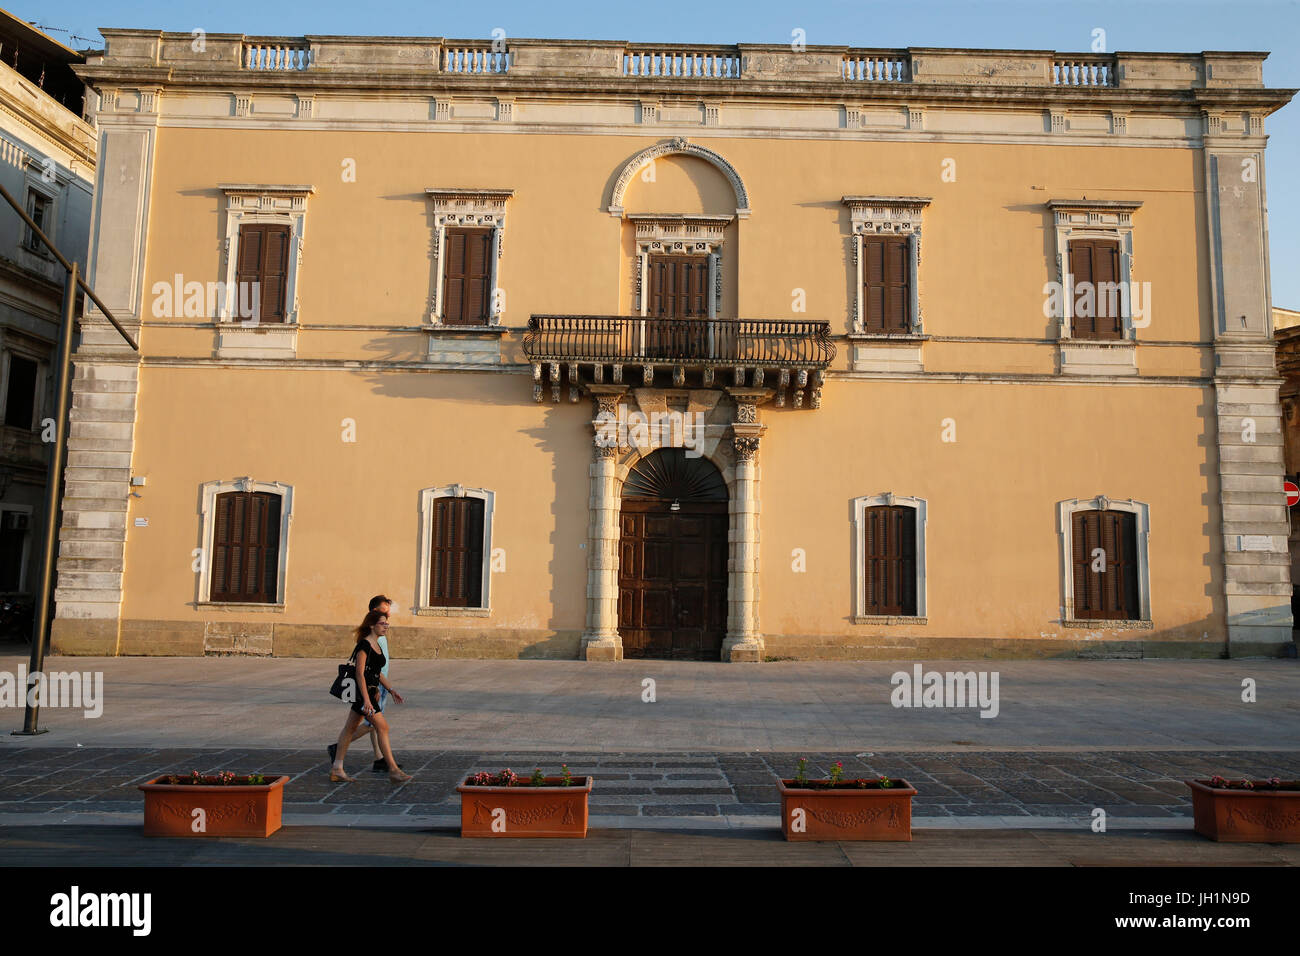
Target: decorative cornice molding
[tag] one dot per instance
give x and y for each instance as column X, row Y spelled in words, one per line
column 896, row 214
column 245, row 190
column 476, row 196
column 1094, row 212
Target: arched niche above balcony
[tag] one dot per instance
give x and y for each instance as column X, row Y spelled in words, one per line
column 687, row 172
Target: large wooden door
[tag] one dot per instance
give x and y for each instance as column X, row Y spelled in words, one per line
column 673, row 563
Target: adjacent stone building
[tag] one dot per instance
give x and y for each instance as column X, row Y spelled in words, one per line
column 47, row 163
column 605, row 350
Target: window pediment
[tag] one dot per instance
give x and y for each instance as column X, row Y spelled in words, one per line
column 678, row 233
column 1094, row 213
column 893, row 214
column 266, row 198
column 469, row 207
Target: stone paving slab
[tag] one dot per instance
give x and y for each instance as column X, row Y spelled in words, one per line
column 122, row 846
column 1137, row 784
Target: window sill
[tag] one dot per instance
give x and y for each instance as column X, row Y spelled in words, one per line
column 240, row 606
column 437, row 328
column 257, row 340
column 453, row 612
column 888, row 336
column 1111, row 625
column 888, row 619
column 1098, row 357
column 255, row 326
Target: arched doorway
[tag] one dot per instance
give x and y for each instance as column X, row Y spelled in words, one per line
column 672, row 577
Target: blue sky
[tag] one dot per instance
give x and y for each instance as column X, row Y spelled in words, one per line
column 1064, row 25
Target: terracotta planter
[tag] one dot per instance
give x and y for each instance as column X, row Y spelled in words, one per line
column 246, row 810
column 846, row 812
column 1245, row 816
column 552, row 810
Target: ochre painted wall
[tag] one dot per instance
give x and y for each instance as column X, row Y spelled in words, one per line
column 988, row 248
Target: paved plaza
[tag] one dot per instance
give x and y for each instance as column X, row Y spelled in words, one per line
column 558, row 706
column 698, row 762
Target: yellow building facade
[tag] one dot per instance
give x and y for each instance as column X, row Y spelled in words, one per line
column 605, row 350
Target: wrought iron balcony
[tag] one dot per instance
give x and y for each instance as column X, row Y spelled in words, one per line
column 755, row 353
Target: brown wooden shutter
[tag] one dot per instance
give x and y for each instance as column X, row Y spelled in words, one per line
column 1105, row 271
column 886, row 284
column 657, row 299
column 467, row 295
column 252, row 240
column 264, row 259
column 1111, row 594
column 1094, row 265
column 275, row 274
column 695, row 286
column 246, row 548
column 890, row 557
column 456, row 555
column 679, row 287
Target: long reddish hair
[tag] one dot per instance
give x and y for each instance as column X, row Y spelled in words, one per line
column 367, row 625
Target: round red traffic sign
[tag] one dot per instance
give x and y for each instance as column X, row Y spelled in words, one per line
column 1292, row 493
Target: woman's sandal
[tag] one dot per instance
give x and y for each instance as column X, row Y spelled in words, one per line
column 399, row 777
column 341, row 776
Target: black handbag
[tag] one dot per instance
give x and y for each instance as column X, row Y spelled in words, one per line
column 346, row 682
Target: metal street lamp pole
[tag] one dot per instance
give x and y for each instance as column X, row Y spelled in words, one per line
column 42, row 623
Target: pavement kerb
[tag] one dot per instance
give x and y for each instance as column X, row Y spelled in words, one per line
column 445, row 821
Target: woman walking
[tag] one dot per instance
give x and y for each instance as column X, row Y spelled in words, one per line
column 370, row 661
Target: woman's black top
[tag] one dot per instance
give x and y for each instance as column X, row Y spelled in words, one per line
column 375, row 661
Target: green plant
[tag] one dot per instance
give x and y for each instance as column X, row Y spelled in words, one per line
column 885, row 783
column 538, row 778
column 837, row 771
column 567, row 777
column 222, row 778
column 801, row 773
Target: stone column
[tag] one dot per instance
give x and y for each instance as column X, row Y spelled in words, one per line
column 600, row 640
column 1257, row 578
column 743, row 641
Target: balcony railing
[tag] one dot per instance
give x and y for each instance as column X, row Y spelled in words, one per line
column 276, row 54
column 688, row 61
column 776, row 353
column 1084, row 70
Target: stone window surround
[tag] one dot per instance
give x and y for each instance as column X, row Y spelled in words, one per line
column 676, row 234
column 887, row 215
column 50, row 192
column 860, row 506
column 470, row 209
column 1092, row 219
column 210, row 490
column 248, row 204
column 11, row 345
column 425, row 565
column 1065, row 510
